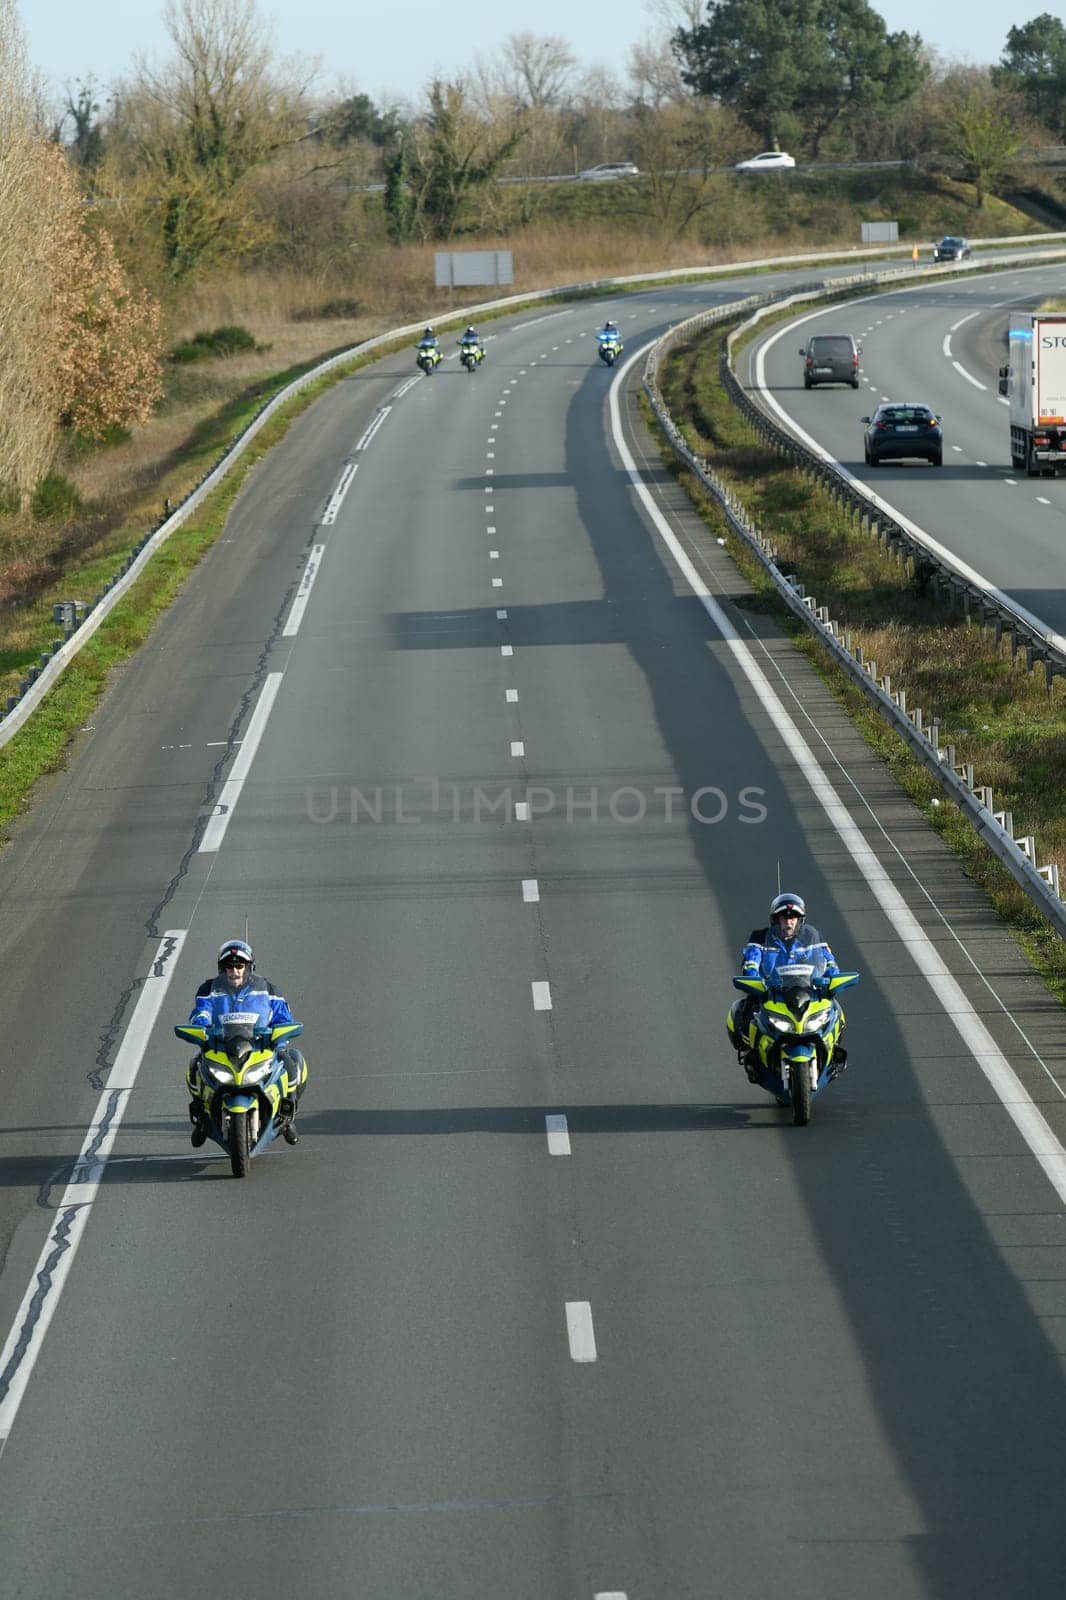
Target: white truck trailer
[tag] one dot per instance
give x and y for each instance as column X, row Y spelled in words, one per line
column 1035, row 384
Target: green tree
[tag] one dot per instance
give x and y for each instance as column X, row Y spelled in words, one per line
column 805, row 63
column 1034, row 63
column 982, row 128
column 450, row 154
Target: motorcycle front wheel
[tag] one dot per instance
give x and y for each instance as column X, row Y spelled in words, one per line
column 800, row 1089
column 240, row 1155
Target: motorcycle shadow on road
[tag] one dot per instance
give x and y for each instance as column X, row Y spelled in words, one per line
column 530, row 1120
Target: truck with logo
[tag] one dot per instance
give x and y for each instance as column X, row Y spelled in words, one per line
column 1034, row 381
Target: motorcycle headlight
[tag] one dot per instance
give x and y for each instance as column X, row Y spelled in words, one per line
column 816, row 1024
column 219, row 1073
column 782, row 1024
column 257, row 1073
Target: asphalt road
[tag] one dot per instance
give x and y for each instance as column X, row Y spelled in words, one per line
column 941, row 343
column 519, row 799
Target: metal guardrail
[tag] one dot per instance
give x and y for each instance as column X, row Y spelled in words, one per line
column 1018, row 854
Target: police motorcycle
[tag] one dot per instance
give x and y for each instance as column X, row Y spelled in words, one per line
column 792, row 1040
column 246, row 1091
column 428, row 357
column 609, row 345
column 471, row 353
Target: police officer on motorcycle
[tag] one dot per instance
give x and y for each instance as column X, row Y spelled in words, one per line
column 788, row 938
column 238, row 987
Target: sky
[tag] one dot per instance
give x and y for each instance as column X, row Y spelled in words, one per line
column 362, row 48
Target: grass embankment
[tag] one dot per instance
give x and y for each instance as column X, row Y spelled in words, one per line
column 558, row 233
column 998, row 715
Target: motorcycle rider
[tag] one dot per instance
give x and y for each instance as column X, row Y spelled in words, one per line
column 609, row 334
column 238, row 987
column 788, row 938
column 471, row 340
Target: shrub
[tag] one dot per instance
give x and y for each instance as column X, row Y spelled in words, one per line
column 54, row 497
column 328, row 308
column 207, row 345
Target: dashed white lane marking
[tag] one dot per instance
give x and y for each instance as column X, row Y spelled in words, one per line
column 946, row 346
column 489, row 510
column 490, row 528
column 336, row 499
column 521, row 810
column 489, row 471
column 1041, row 501
column 215, row 831
column 542, row 996
column 609, row 1594
column 558, row 1135
column 963, row 320
column 303, row 593
column 957, row 449
column 579, row 1330
column 382, row 413
column 517, row 747
column 490, row 455
column 494, row 555
column 961, row 370
column 488, row 491
column 507, row 649
column 497, row 583
column 982, row 463
column 1012, row 481
column 530, row 891
column 1002, row 398
column 511, row 696
column 409, row 383
column 23, row 1345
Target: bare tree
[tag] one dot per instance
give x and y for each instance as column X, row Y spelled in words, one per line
column 537, row 68
column 188, row 134
column 654, row 72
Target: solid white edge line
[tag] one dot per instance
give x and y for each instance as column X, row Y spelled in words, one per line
column 34, row 1316
column 336, row 499
column 555, row 1126
column 303, row 593
column 215, row 831
column 542, row 996
column 1015, row 1098
column 579, row 1330
column 961, row 370
column 369, row 433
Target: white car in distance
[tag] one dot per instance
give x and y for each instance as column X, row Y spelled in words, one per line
column 767, row 161
column 610, row 169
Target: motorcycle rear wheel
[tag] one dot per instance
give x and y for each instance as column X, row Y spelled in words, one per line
column 800, row 1088
column 239, row 1154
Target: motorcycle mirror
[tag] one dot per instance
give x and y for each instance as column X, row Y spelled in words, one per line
column 190, row 1034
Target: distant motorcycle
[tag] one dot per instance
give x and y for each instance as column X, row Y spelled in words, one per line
column 471, row 355
column 610, row 347
column 248, row 1098
column 428, row 357
column 793, row 1037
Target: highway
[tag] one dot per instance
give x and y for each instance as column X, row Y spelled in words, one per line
column 548, row 1302
column 941, row 343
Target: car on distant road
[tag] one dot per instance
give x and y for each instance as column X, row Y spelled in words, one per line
column 952, row 248
column 767, row 161
column 902, row 429
column 610, row 169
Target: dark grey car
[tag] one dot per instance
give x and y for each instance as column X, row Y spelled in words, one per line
column 831, row 358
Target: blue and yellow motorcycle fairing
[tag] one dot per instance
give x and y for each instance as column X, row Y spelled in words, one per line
column 243, row 1083
column 471, row 354
column 610, row 347
column 793, row 1036
column 428, row 357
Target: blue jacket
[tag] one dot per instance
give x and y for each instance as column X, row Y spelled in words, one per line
column 766, row 950
column 215, row 999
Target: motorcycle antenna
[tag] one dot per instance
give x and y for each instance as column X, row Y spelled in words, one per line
column 779, row 877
